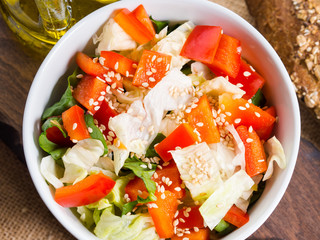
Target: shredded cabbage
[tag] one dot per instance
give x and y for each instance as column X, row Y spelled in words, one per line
column 275, row 153
column 173, row 43
column 218, row 204
column 114, row 37
column 220, row 85
column 127, row 227
column 198, row 170
column 200, row 69
column 51, row 171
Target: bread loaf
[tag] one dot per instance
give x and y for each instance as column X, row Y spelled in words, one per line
column 292, row 28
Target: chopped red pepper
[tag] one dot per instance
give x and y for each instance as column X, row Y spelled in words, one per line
column 73, row 122
column 241, row 112
column 152, row 67
column 163, row 214
column 250, row 80
column 169, row 177
column 87, row 191
column 90, row 92
column 266, row 133
column 183, row 136
column 227, row 58
column 141, row 14
column 254, row 153
column 191, row 218
column 236, row 216
column 201, row 119
column 202, row 43
column 136, row 187
column 55, row 135
column 119, row 63
column 201, row 234
column 133, row 27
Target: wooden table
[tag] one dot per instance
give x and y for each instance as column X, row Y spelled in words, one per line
column 296, row 217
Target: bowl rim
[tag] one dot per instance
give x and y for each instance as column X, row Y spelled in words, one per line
column 33, row 166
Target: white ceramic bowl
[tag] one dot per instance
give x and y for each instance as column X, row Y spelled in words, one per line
column 255, row 49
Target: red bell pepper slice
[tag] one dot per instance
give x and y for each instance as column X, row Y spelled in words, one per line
column 153, row 66
column 236, row 216
column 55, row 135
column 241, row 112
column 249, row 79
column 87, row 191
column 202, row 43
column 136, row 187
column 103, row 116
column 254, row 153
column 90, row 92
column 201, row 119
column 191, row 218
column 163, row 214
column 141, row 14
column 133, row 27
column 266, row 133
column 119, row 63
column 169, row 177
column 183, row 136
column 93, row 68
column 73, row 122
column 228, row 57
column 201, row 234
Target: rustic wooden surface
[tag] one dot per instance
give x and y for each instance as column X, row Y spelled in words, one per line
column 296, row 217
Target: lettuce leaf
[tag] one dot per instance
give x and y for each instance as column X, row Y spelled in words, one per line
column 51, row 171
column 219, row 203
column 127, row 227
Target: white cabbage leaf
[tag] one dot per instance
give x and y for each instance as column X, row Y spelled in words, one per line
column 219, row 203
column 51, row 171
column 239, row 159
column 120, row 155
column 167, row 126
column 113, row 38
column 200, row 69
column 127, row 227
column 173, row 43
column 220, row 85
column 198, row 170
column 224, row 158
column 86, row 216
column 276, row 154
column 137, row 128
column 80, row 158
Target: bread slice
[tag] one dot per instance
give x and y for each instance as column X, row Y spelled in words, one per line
column 292, row 28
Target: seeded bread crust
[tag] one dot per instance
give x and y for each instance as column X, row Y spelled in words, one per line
column 292, row 28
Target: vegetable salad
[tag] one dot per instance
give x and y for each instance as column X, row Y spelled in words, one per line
column 164, row 133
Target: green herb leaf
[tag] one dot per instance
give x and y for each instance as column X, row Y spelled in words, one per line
column 66, row 100
column 258, row 99
column 151, row 152
column 46, row 144
column 96, row 133
column 221, row 226
column 159, row 25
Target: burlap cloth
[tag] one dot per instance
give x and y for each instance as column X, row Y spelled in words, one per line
column 23, row 215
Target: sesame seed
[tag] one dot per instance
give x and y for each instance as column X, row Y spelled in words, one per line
column 90, row 130
column 74, row 126
column 96, row 108
column 153, row 58
column 261, row 160
column 249, row 140
column 151, row 79
column 163, row 196
column 252, row 68
column 127, row 73
column 182, row 220
column 159, row 59
column 196, row 229
column 95, row 103
column 185, row 213
column 222, row 107
column 101, row 98
column 79, row 76
column 143, row 166
column 109, row 138
column 246, row 74
column 118, row 76
column 237, row 120
column 242, row 108
column 239, row 85
column 100, row 79
column 116, row 66
column 162, row 189
column 180, row 234
column 148, row 73
column 108, row 79
column 176, row 222
column 114, row 85
column 145, row 84
column 153, row 70
column 155, row 175
column 199, row 124
column 257, row 114
column 74, row 140
column 247, row 105
column 91, row 100
column 250, row 129
column 178, row 189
